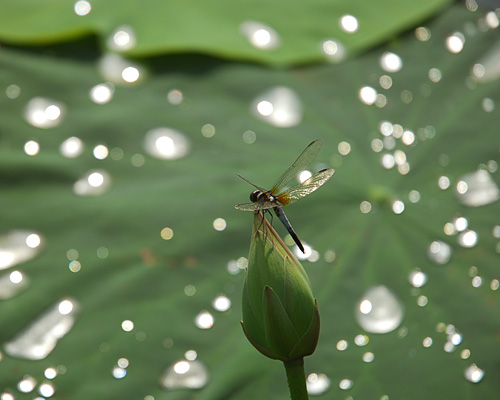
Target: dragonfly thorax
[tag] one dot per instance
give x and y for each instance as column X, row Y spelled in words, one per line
column 258, row 195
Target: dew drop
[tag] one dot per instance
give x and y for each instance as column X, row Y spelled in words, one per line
column 280, row 107
column 175, row 97
column 342, row 345
column 439, row 252
column 122, row 39
column 398, row 207
column 417, row 278
column 346, row 384
column 317, row 384
column 71, row 147
column 365, row 207
column 102, row 93
column 391, row 62
column 100, row 152
column 468, row 239
column 166, row 143
column 427, row 342
column 11, row 284
column 455, row 42
column 379, row 310
column 221, row 303
column 422, row 33
column 349, row 23
column 127, row 325
column 93, row 183
column 18, row 246
column 204, row 320
column 259, row 35
column 50, row 373
column 368, row 357
column 46, row 390
column 119, row 70
column 40, row 337
column 44, row 113
column 444, row 182
column 31, row 148
column 333, row 50
column 185, row 375
column 219, row 224
column 27, row 384
column 473, row 373
column 82, row 8
column 368, row 95
column 119, row 373
column 13, row 91
column 208, row 130
column 477, row 189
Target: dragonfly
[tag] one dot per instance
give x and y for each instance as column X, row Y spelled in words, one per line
column 279, row 196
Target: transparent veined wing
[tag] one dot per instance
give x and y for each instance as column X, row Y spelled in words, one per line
column 300, row 164
column 262, row 205
column 305, row 188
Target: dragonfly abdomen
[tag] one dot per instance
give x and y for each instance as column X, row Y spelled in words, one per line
column 284, row 220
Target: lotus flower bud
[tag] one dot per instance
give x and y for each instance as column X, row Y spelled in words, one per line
column 280, row 314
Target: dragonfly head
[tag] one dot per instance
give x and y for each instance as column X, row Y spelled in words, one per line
column 255, row 196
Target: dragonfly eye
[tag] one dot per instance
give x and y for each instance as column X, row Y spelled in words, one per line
column 254, row 196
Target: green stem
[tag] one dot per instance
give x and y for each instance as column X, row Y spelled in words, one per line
column 296, row 379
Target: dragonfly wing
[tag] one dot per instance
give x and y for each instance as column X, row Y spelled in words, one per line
column 305, row 188
column 263, row 205
column 300, row 164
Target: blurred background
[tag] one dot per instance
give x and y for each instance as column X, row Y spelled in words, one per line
column 122, row 259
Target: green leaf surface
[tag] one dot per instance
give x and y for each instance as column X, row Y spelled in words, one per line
column 215, row 27
column 128, row 272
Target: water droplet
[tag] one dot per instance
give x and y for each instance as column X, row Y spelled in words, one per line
column 46, row 390
column 345, row 384
column 50, row 373
column 118, row 70
column 249, row 137
column 127, row 325
column 365, row 207
column 185, row 375
column 465, row 354
column 44, row 113
column 439, row 252
column 71, row 147
column 166, row 143
column 422, row 301
column 191, row 355
column 333, row 50
column 398, row 207
column 82, row 8
column 18, row 246
column 100, row 152
column 279, row 107
column 118, row 372
column 94, row 183
column 175, row 97
column 379, row 311
column 27, row 384
column 7, row 396
column 259, row 35
column 13, row 91
column 473, row 373
column 427, row 342
column 368, row 95
column 477, row 189
column 208, row 130
column 487, row 68
column 40, row 337
column 435, row 75
column 494, row 284
column 385, row 82
column 368, row 357
column 417, row 278
column 477, row 281
column 422, row 33
column 349, row 23
column 342, row 345
column 468, row 239
column 102, row 93
column 190, row 290
column 388, row 161
column 31, row 148
column 12, row 284
column 444, row 182
column 221, row 303
column 455, row 42
column 204, row 320
column 167, row 233
column 219, row 224
column 391, row 62
column 122, row 39
column 317, row 384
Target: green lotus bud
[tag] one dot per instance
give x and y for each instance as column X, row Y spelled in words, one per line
column 280, row 315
